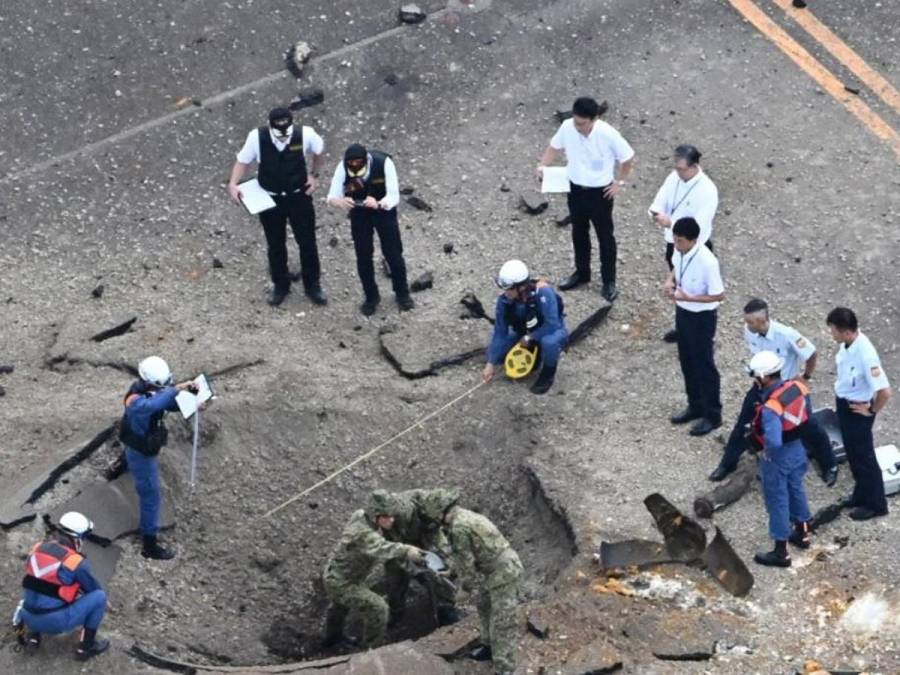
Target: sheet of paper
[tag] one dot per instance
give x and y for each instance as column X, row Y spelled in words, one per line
column 254, row 198
column 188, row 402
column 555, row 179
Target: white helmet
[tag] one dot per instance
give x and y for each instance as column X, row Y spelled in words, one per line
column 513, row 273
column 765, row 363
column 75, row 524
column 155, row 371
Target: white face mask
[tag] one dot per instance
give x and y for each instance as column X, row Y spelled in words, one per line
column 287, row 134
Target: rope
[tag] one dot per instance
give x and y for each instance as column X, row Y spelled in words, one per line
column 373, row 451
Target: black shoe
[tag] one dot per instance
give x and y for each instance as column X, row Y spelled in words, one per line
column 774, row 558
column 481, row 653
column 545, row 380
column 369, row 306
column 610, row 292
column 405, row 303
column 720, row 473
column 830, row 476
column 154, row 551
column 90, row 648
column 572, row 281
column 31, row 642
column 865, row 513
column 799, row 4
column 317, row 295
column 671, row 337
column 277, row 296
column 685, row 416
column 703, row 427
column 847, row 501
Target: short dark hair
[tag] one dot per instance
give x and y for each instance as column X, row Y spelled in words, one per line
column 585, row 106
column 687, row 228
column 756, row 305
column 842, row 318
column 688, row 153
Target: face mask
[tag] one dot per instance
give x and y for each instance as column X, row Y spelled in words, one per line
column 358, row 173
column 283, row 133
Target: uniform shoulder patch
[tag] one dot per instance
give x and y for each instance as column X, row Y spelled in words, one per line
column 876, row 371
column 801, row 342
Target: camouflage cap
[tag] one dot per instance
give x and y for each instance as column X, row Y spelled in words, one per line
column 382, row 503
column 435, row 503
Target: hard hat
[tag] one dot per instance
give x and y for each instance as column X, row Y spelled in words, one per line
column 513, row 273
column 765, row 363
column 154, row 370
column 382, row 503
column 520, row 361
column 75, row 524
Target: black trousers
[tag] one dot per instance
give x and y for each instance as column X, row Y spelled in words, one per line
column 588, row 205
column 670, row 251
column 856, row 430
column 812, row 435
column 364, row 223
column 696, row 335
column 298, row 210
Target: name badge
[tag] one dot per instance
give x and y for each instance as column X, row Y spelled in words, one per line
column 295, row 147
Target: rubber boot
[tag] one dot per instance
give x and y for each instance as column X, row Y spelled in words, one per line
column 154, row 551
column 777, row 557
column 90, row 645
column 545, row 380
column 800, row 536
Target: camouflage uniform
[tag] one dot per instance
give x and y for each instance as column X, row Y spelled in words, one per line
column 360, row 549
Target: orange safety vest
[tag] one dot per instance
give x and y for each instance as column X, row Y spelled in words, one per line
column 42, row 570
column 788, row 402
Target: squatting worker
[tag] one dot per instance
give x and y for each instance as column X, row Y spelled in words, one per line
column 144, row 434
column 61, row 591
column 528, row 313
column 281, row 151
column 592, row 149
column 695, row 286
column 861, row 390
column 784, row 409
column 365, row 184
column 761, row 333
column 361, row 549
column 686, row 192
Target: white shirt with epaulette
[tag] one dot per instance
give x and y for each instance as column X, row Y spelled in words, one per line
column 784, row 341
column 859, row 371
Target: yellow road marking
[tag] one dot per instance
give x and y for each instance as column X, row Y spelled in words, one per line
column 823, row 77
column 839, row 49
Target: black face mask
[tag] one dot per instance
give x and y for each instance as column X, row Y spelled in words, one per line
column 282, row 129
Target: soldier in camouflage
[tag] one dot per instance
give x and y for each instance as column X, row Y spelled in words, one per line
column 482, row 555
column 361, row 548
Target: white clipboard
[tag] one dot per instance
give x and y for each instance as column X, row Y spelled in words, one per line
column 555, row 179
column 188, row 403
column 254, row 198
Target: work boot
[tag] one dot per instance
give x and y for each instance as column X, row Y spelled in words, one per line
column 720, row 473
column 405, row 302
column 154, row 551
column 671, row 336
column 573, row 280
column 481, row 653
column 31, row 642
column 316, row 294
column 545, row 380
column 277, row 296
column 703, row 427
column 685, row 416
column 865, row 513
column 369, row 306
column 847, row 501
column 610, row 292
column 777, row 557
column 800, row 536
column 90, row 645
column 830, row 476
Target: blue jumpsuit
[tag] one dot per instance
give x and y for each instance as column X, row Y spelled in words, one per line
column 144, row 469
column 550, row 334
column 43, row 614
column 782, row 467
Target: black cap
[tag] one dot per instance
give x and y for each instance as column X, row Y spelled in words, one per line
column 278, row 114
column 355, row 151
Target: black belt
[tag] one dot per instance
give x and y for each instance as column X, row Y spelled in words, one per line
column 284, row 194
column 576, row 187
column 40, row 612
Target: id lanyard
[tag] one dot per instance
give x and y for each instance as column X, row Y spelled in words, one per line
column 678, row 203
column 682, row 266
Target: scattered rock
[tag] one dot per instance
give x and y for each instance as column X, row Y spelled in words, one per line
column 296, row 57
column 115, row 331
column 448, row 247
column 217, row 264
column 306, row 98
column 411, row 13
column 265, row 561
column 385, row 268
column 562, row 115
column 533, row 203
column 407, row 190
column 422, row 282
column 6, row 370
column 98, row 292
column 538, row 628
column 333, row 242
column 391, row 79
column 2, row 391
column 419, row 203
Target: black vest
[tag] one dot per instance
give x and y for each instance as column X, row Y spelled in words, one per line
column 374, row 184
column 157, row 435
column 285, row 171
column 533, row 316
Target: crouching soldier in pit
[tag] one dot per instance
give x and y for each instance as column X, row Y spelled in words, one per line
column 528, row 313
column 482, row 557
column 61, row 591
column 361, row 548
column 143, row 434
column 777, row 428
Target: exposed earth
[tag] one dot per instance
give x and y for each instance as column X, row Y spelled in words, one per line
column 122, row 120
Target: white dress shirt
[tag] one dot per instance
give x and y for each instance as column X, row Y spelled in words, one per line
column 697, row 198
column 391, row 183
column 784, row 341
column 859, row 371
column 591, row 160
column 312, row 145
column 697, row 273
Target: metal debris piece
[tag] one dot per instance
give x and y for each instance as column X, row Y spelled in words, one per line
column 727, row 567
column 728, row 492
column 115, row 331
column 685, row 538
column 632, row 553
column 422, row 282
column 411, row 13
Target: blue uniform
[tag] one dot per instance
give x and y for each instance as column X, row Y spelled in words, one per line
column 512, row 324
column 782, row 467
column 43, row 614
column 140, row 416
